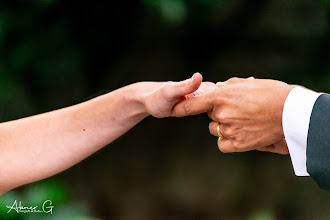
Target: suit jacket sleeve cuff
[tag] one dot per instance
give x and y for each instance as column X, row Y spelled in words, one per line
column 297, row 111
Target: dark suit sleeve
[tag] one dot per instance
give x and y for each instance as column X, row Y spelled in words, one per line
column 318, row 142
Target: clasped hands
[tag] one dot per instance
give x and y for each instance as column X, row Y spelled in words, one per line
column 248, row 111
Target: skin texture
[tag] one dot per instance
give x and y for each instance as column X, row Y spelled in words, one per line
column 249, row 111
column 41, row 146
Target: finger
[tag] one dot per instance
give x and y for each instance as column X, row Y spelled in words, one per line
column 232, row 145
column 194, row 105
column 233, row 80
column 205, row 87
column 226, row 146
column 213, row 128
column 179, row 89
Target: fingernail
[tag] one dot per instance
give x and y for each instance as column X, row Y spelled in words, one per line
column 251, row 77
column 192, row 79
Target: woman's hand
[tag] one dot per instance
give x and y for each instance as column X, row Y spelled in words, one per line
column 160, row 98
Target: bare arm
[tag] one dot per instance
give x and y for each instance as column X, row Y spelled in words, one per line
column 40, row 146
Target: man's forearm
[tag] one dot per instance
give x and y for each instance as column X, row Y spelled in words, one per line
column 40, row 146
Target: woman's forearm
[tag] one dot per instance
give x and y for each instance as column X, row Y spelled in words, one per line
column 40, row 146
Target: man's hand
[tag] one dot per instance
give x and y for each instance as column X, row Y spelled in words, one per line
column 249, row 112
column 161, row 97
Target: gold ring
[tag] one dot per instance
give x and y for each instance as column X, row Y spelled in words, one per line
column 219, row 132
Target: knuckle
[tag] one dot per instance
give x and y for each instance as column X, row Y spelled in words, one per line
column 222, row 117
column 229, row 132
column 232, row 80
column 220, row 99
column 219, row 116
column 177, row 112
column 223, row 99
column 237, row 145
column 187, row 108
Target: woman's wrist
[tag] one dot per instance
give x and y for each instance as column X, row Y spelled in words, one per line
column 135, row 96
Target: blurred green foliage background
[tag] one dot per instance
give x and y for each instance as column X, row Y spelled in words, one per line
column 55, row 53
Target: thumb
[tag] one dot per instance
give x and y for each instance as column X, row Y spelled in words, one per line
column 180, row 89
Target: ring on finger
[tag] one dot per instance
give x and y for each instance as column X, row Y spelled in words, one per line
column 219, row 132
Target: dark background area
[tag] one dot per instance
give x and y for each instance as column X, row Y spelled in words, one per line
column 57, row 53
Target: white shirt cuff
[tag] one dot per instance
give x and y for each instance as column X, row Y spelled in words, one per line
column 297, row 110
